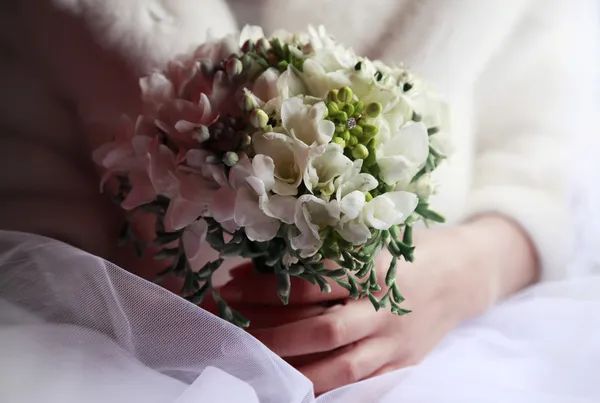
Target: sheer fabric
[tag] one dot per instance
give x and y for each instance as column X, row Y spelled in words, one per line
column 75, row 328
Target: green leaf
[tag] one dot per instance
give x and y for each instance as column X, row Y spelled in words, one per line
column 336, row 273
column 396, row 295
column 231, row 250
column 239, row 320
column 215, row 240
column 365, row 270
column 224, row 310
column 343, row 284
column 384, row 301
column 166, row 254
column 407, row 236
column 433, row 130
column 295, row 269
column 394, row 249
column 164, row 238
column 190, row 283
column 198, row 296
column 374, row 301
column 323, row 284
column 282, row 279
column 390, row 277
column 353, row 288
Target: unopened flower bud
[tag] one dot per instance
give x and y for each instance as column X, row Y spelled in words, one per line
column 358, row 107
column 201, row 134
column 345, row 95
column 368, row 197
column 360, row 152
column 263, row 45
column 211, row 159
column 370, row 130
column 352, row 141
column 346, row 136
column 282, row 66
column 248, row 46
column 246, row 141
column 340, row 128
column 343, row 116
column 258, row 118
column 249, row 102
column 234, row 67
column 230, row 158
column 332, row 96
column 349, row 109
column 332, row 108
column 206, row 67
column 340, row 141
column 357, row 131
column 374, row 109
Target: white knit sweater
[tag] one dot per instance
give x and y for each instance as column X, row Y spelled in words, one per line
column 517, row 73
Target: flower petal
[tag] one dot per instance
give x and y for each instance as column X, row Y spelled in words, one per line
column 182, row 213
column 141, row 192
column 281, row 207
column 223, row 205
column 193, row 238
column 352, row 204
column 405, row 203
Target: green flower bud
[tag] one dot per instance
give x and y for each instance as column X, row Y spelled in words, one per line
column 333, row 108
column 368, row 197
column 282, row 66
column 342, row 116
column 201, row 134
column 370, row 130
column 258, row 118
column 332, row 96
column 345, row 95
column 345, row 136
column 340, row 141
column 370, row 160
column 358, row 107
column 357, row 131
column 230, row 158
column 349, row 109
column 212, row 159
column 234, row 67
column 352, row 141
column 340, row 128
column 360, row 152
column 374, row 109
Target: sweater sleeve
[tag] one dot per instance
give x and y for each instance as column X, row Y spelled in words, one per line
column 532, row 98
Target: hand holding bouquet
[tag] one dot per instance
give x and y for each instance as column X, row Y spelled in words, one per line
column 289, row 150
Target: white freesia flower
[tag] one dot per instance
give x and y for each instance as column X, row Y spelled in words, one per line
column 389, row 209
column 351, row 188
column 246, row 202
column 289, row 160
column 252, row 33
column 322, row 170
column 273, row 88
column 403, row 154
column 306, row 122
column 311, row 216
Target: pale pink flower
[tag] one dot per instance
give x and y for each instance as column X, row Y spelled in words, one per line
column 194, row 238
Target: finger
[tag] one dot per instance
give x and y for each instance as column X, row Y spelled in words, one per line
column 348, row 365
column 257, row 288
column 262, row 317
column 339, row 327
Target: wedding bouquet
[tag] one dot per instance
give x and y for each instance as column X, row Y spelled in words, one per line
column 289, row 150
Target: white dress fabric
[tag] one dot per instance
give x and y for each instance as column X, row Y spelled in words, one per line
column 75, row 328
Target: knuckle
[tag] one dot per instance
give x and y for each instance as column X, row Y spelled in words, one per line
column 334, row 333
column 350, row 370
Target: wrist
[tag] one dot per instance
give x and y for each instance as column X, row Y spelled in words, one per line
column 500, row 253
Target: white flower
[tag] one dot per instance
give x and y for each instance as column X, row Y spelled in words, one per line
column 353, row 179
column 306, row 122
column 289, row 160
column 246, row 202
column 273, row 88
column 311, row 216
column 193, row 238
column 252, row 33
column 422, row 187
column 389, row 209
column 322, row 170
column 402, row 155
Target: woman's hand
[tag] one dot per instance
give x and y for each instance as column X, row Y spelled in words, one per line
column 456, row 275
